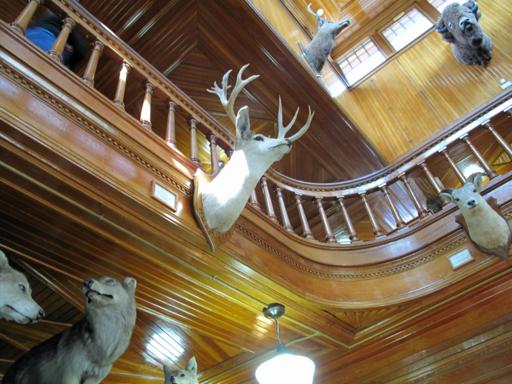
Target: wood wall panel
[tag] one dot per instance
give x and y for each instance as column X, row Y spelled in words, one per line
column 424, row 89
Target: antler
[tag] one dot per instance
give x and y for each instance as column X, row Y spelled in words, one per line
column 282, row 130
column 222, row 92
column 310, row 10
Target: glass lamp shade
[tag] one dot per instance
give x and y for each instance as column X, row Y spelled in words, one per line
column 286, row 368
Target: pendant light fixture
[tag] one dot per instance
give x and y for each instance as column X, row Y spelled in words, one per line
column 285, row 367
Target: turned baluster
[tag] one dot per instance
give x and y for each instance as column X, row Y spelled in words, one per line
column 375, row 225
column 479, row 157
column 214, row 156
column 23, row 20
column 306, row 231
column 92, row 64
column 121, row 85
column 352, row 234
column 431, row 178
column 500, row 139
column 328, row 232
column 253, row 200
column 422, row 212
column 60, row 43
column 456, row 169
column 282, row 207
column 398, row 219
column 193, row 141
column 145, row 113
column 170, row 129
column 268, row 200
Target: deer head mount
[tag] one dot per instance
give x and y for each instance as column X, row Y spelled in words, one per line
column 320, row 47
column 219, row 199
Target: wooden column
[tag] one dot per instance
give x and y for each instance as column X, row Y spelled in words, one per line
column 375, row 225
column 121, row 85
column 214, row 156
column 253, row 200
column 193, row 141
column 328, row 232
column 303, row 219
column 284, row 214
column 352, row 235
column 479, row 157
column 398, row 219
column 453, row 165
column 145, row 113
column 431, row 177
column 268, row 199
column 92, row 64
column 500, row 139
column 422, row 212
column 25, row 17
column 60, row 43
column 170, row 129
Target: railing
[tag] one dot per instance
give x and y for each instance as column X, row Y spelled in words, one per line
column 274, row 185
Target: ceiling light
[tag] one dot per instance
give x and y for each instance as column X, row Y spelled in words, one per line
column 285, row 367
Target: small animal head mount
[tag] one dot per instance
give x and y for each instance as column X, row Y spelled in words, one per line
column 182, row 376
column 459, row 23
column 260, row 150
column 331, row 27
column 468, row 196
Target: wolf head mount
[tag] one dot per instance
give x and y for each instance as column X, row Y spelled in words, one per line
column 219, row 202
column 85, row 352
column 459, row 26
column 488, row 229
column 182, row 376
column 16, row 303
column 320, row 47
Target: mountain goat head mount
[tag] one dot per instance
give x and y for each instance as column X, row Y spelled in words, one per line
column 219, row 199
column 320, row 47
column 459, row 26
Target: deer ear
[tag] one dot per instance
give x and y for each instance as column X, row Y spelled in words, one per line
column 476, row 179
column 446, row 195
column 130, row 283
column 4, row 262
column 167, row 373
column 192, row 365
column 442, row 29
column 243, row 125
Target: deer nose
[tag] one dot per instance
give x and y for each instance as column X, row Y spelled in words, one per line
column 88, row 283
column 472, row 203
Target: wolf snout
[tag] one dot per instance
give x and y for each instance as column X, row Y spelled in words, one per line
column 476, row 42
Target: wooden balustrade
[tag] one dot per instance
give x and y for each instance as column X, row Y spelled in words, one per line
column 170, row 128
column 506, row 147
column 60, row 43
column 253, row 200
column 422, row 212
column 328, row 232
column 121, row 85
column 92, row 64
column 145, row 112
column 306, row 231
column 268, row 199
column 214, row 155
column 193, row 141
column 375, row 225
column 352, row 235
column 479, row 157
column 431, row 178
column 456, row 169
column 23, row 20
column 284, row 214
column 398, row 219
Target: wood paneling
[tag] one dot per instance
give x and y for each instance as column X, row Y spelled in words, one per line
column 424, row 89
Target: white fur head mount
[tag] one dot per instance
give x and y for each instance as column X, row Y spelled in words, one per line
column 182, row 376
column 468, row 196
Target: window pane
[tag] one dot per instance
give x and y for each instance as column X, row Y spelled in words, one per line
column 361, row 61
column 406, row 29
column 440, row 5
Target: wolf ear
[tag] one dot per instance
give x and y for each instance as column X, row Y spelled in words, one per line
column 442, row 29
column 192, row 365
column 476, row 179
column 130, row 283
column 446, row 195
column 473, row 6
column 4, row 262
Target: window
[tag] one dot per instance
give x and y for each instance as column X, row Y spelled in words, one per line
column 406, row 29
column 440, row 5
column 361, row 61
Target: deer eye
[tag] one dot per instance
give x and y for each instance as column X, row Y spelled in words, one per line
column 23, row 288
column 258, row 138
column 474, row 190
column 457, row 199
column 182, row 375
